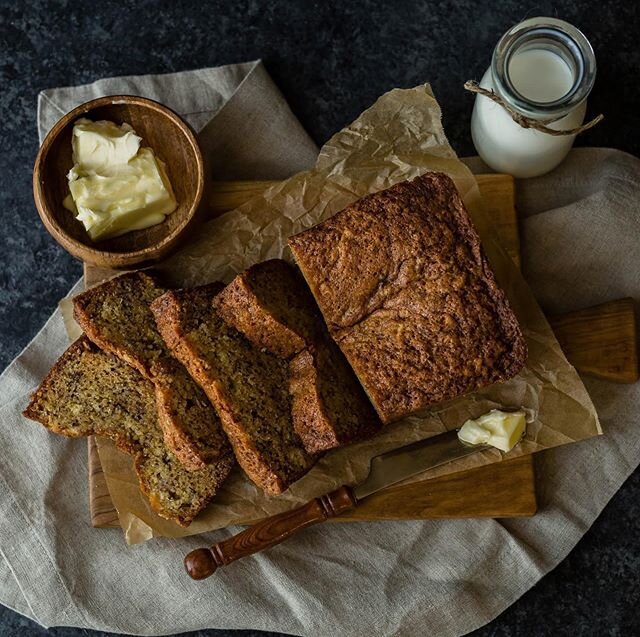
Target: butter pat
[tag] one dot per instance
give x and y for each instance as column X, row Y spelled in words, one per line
column 116, row 186
column 500, row 429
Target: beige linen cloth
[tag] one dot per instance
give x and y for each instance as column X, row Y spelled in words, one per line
column 393, row 578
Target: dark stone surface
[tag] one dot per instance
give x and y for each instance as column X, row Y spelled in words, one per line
column 331, row 60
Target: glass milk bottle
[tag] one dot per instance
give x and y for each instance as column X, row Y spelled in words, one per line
column 542, row 69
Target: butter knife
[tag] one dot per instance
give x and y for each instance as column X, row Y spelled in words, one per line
column 386, row 469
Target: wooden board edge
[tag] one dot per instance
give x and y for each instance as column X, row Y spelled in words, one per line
column 444, row 497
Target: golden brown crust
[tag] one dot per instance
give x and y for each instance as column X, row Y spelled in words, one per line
column 330, row 408
column 270, row 304
column 175, row 322
column 189, row 423
column 90, row 392
column 175, row 438
column 409, row 296
column 247, row 386
column 116, row 316
column 309, row 417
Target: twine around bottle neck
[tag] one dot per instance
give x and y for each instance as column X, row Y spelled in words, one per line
column 529, row 122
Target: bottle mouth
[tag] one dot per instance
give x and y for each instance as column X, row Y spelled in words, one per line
column 554, row 40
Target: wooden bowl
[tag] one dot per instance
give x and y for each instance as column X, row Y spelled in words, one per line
column 171, row 139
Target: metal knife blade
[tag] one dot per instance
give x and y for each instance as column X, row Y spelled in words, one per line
column 402, row 463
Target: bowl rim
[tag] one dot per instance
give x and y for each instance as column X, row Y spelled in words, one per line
column 89, row 253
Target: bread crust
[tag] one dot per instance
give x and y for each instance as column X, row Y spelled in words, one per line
column 330, row 408
column 270, row 304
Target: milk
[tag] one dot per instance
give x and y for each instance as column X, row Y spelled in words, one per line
column 539, row 76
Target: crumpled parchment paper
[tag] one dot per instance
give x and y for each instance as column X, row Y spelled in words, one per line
column 399, row 137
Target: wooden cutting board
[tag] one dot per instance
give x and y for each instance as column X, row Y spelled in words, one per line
column 600, row 341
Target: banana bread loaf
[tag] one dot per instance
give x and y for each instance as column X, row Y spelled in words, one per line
column 409, row 296
column 90, row 392
column 116, row 317
column 247, row 385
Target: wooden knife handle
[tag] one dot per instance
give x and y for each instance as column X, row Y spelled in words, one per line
column 203, row 562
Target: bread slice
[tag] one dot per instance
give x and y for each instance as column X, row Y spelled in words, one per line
column 409, row 296
column 329, row 407
column 247, row 385
column 116, row 317
column 90, row 392
column 271, row 305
